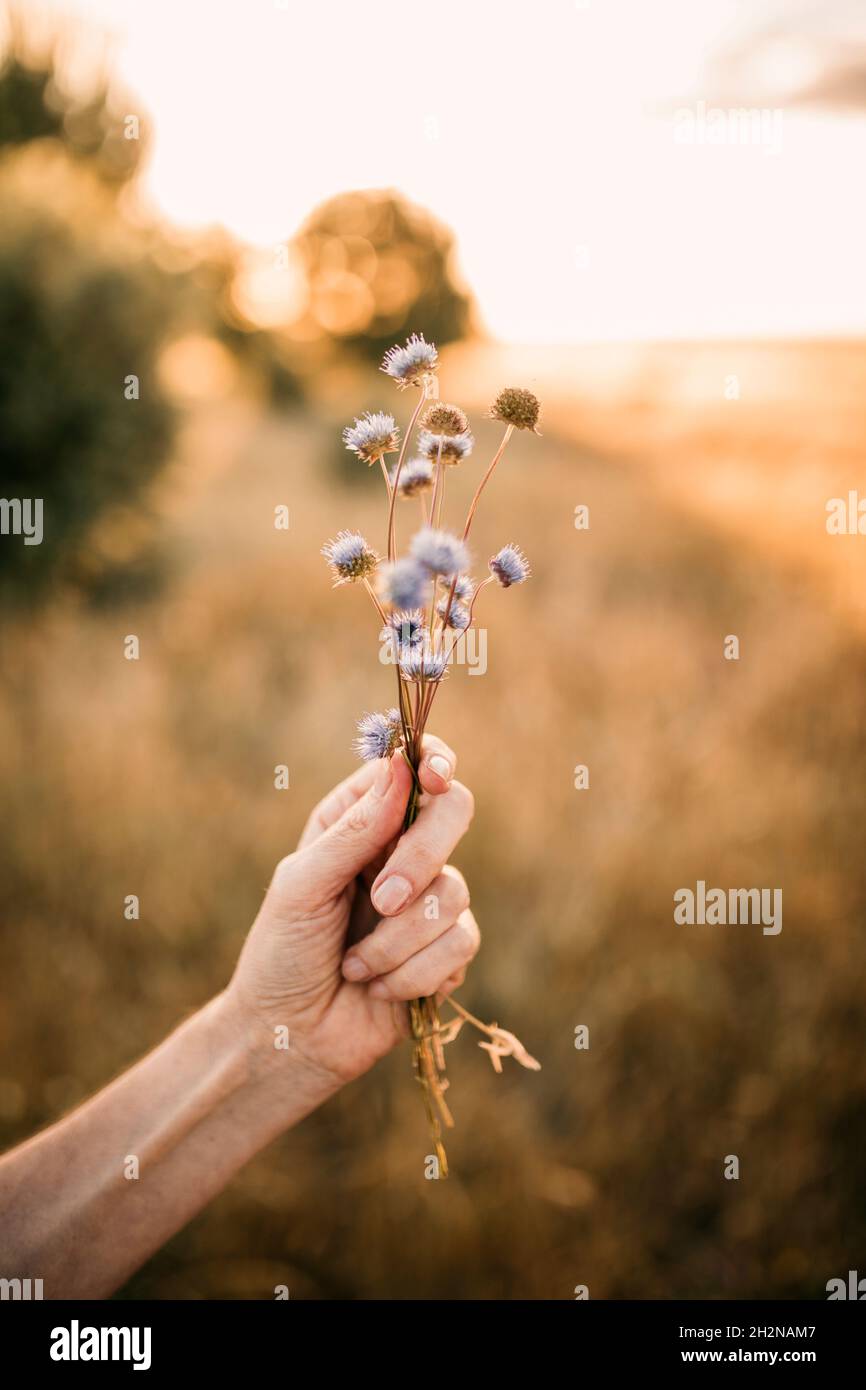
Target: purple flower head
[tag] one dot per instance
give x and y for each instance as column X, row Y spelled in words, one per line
column 416, row 477
column 458, row 614
column 510, row 566
column 455, row 447
column 404, row 584
column 439, row 552
column 424, row 663
column 372, row 435
column 464, row 588
column 404, row 630
column 378, row 735
column 350, row 557
column 410, row 364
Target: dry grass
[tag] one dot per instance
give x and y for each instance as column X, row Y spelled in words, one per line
column 155, row 778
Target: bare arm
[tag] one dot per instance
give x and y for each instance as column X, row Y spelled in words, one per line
column 86, row 1202
column 83, row 1204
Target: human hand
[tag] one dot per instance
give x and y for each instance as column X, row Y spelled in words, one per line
column 357, row 922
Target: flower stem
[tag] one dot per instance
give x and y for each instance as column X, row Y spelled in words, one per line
column 379, row 608
column 385, row 476
column 424, row 1021
column 484, row 481
column 392, row 530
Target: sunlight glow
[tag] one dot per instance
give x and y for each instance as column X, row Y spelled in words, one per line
column 543, row 134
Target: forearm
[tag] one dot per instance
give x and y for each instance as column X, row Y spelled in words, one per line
column 86, row 1202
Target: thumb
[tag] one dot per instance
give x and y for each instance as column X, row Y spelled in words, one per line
column 327, row 865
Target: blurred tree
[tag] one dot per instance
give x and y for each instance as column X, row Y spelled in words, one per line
column 89, row 301
column 35, row 104
column 80, row 313
column 376, row 267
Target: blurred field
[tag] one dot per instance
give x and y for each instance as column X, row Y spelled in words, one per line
column 155, row 778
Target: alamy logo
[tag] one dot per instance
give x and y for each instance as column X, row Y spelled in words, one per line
column 735, row 125
column 715, row 907
column 22, row 517
column 854, row 1289
column 21, row 1290
column 75, row 1343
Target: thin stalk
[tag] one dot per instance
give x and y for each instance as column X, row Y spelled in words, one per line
column 470, row 1018
column 438, row 488
column 385, row 475
column 392, row 530
column 444, row 471
column 483, row 585
column 484, row 481
column 379, row 609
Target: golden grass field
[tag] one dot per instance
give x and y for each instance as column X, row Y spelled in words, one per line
column 156, row 778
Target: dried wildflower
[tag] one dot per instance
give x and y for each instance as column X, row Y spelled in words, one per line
column 440, row 418
column 447, row 448
column 416, row 477
column 432, row 579
column 350, row 557
column 439, row 552
column 424, row 663
column 404, row 584
column 510, row 566
column 516, row 407
column 410, row 364
column 505, row 1044
column 404, row 630
column 456, row 614
column 371, row 436
column 378, row 735
column 464, row 588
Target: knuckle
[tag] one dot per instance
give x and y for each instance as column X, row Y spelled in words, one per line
column 464, row 800
column 378, row 955
column 286, row 883
column 316, row 818
column 468, row 937
column 407, row 984
column 284, row 873
column 353, row 822
column 453, row 890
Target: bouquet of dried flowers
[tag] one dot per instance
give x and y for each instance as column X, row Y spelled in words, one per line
column 425, row 602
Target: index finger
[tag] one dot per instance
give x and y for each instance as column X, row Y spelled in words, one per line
column 438, row 763
column 435, row 773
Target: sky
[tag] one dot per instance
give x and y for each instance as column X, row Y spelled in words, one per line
column 549, row 135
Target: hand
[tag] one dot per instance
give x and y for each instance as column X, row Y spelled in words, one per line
column 356, row 922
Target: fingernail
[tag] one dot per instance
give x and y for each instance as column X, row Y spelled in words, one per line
column 379, row 990
column 390, row 896
column 383, row 778
column 355, row 969
column 440, row 766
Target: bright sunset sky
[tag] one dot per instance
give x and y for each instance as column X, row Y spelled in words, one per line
column 542, row 133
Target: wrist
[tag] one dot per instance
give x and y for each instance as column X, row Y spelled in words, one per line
column 280, row 1083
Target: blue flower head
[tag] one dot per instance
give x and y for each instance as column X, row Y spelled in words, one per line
column 439, row 552
column 510, row 566
column 416, row 477
column 464, row 588
column 424, row 663
column 458, row 613
column 404, row 584
column 454, row 447
column 372, row 435
column 410, row 364
column 404, row 630
column 350, row 557
column 378, row 735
